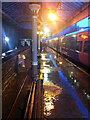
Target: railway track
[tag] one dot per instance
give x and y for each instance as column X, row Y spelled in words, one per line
column 34, row 104
column 10, row 69
column 34, row 107
column 15, row 104
column 15, row 86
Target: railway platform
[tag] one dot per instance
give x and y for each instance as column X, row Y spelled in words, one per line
column 60, row 90
column 66, row 88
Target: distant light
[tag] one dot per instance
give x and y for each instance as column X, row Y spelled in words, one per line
column 82, row 29
column 6, row 39
column 54, row 56
column 56, row 38
column 3, row 54
column 75, row 81
column 52, row 16
column 37, row 32
column 74, row 35
column 71, row 72
column 88, row 96
column 60, row 63
column 46, row 29
column 41, row 33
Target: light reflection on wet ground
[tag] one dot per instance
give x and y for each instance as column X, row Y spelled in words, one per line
column 51, row 91
column 56, row 93
column 77, row 77
column 50, row 97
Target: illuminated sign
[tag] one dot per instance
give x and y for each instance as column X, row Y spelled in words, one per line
column 84, row 36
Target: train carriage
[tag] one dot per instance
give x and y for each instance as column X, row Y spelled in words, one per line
column 76, row 44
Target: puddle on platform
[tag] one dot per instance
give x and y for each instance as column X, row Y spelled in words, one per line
column 75, row 76
column 51, row 93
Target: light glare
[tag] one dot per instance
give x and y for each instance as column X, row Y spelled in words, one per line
column 52, row 17
column 37, row 32
column 41, row 33
column 6, row 39
column 46, row 29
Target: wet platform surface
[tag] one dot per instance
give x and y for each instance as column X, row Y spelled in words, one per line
column 66, row 92
column 65, row 88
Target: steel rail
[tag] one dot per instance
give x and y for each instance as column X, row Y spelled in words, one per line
column 32, row 102
column 28, row 102
column 34, row 107
column 14, row 107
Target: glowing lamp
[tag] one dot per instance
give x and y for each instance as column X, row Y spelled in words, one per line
column 82, row 29
column 46, row 29
column 60, row 62
column 37, row 32
column 41, row 33
column 52, row 16
column 6, row 39
column 74, row 35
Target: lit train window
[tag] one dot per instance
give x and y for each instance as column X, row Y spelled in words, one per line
column 79, row 46
column 87, row 47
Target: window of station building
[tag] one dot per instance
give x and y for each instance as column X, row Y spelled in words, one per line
column 79, row 46
column 87, row 47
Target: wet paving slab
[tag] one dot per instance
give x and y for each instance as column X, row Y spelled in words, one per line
column 61, row 99
column 76, row 76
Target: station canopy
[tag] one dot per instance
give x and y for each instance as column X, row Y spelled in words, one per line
column 20, row 13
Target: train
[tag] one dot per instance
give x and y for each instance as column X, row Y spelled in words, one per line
column 74, row 42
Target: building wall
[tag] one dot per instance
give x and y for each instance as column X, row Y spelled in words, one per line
column 14, row 33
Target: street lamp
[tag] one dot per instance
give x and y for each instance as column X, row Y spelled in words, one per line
column 40, row 33
column 52, row 16
column 46, row 30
